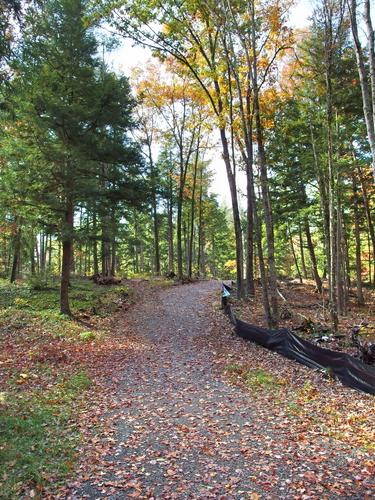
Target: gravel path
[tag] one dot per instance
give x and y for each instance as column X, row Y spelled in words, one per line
column 183, row 432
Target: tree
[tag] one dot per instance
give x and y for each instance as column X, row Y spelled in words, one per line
column 71, row 117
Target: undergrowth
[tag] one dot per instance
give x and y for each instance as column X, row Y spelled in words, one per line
column 38, row 437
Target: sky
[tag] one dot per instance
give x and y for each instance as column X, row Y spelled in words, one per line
column 128, row 56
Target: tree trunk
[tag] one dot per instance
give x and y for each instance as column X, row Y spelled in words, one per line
column 302, row 252
column 50, row 253
column 105, row 245
column 32, row 253
column 369, row 260
column 113, row 240
column 192, row 209
column 294, row 256
column 80, row 244
column 142, row 257
column 236, row 213
column 16, row 254
column 42, row 253
column 332, row 269
column 357, row 233
column 340, row 264
column 268, row 217
column 155, row 215
column 310, row 247
column 274, row 319
column 95, row 243
column 258, row 239
column 170, row 237
column 179, row 234
column 200, row 262
column 323, row 198
column 67, row 251
column 247, row 151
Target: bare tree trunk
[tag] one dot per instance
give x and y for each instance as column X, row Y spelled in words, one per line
column 95, row 243
column 16, row 254
column 67, row 251
column 80, row 244
column 357, row 232
column 32, row 253
column 87, row 246
column 170, row 237
column 50, row 253
column 323, row 197
column 267, row 216
column 113, row 241
column 294, row 256
column 332, row 268
column 258, row 238
column 142, row 257
column 155, row 214
column 186, row 244
column 340, row 267
column 302, row 252
column 247, row 150
column 310, row 247
column 179, row 233
column 369, row 260
column 192, row 209
column 59, row 256
column 42, row 253
column 264, row 182
column 236, row 212
column 200, row 261
column 105, row 246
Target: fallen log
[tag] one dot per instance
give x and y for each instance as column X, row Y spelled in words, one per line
column 100, row 279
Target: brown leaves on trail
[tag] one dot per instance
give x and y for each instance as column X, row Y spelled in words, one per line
column 181, row 408
column 196, row 412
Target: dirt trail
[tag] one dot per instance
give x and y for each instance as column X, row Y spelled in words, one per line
column 182, row 431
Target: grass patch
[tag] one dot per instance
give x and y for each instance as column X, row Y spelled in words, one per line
column 234, row 368
column 255, row 379
column 38, row 438
column 259, row 378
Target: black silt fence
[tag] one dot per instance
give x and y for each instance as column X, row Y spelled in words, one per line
column 349, row 370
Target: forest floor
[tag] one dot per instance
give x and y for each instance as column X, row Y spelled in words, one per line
column 168, row 403
column 199, row 413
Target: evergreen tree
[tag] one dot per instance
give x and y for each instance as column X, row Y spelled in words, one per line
column 70, row 119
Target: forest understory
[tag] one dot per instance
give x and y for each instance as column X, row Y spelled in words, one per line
column 306, row 312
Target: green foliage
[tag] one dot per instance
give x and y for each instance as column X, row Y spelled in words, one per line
column 234, row 368
column 259, row 378
column 87, row 336
column 38, row 282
